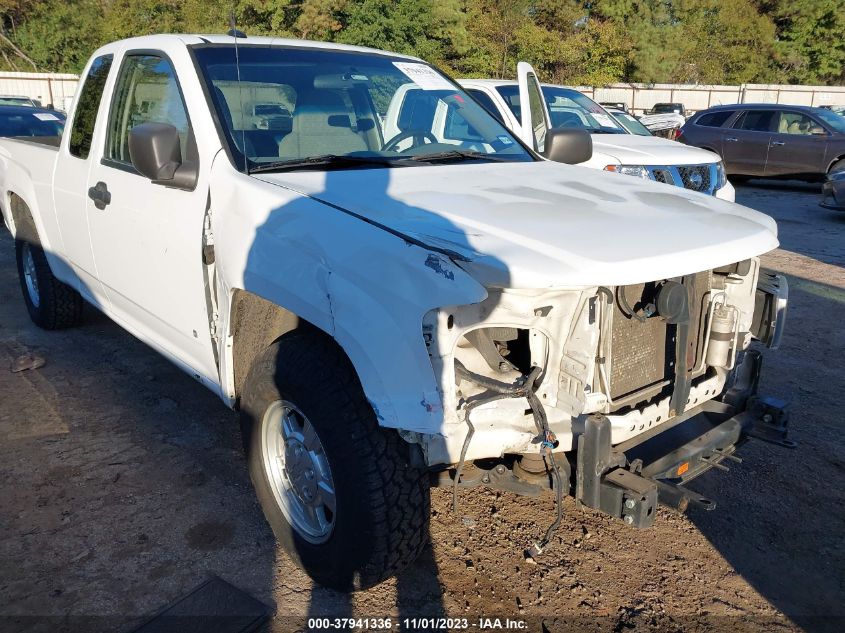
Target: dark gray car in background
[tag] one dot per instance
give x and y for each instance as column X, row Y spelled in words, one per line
column 771, row 140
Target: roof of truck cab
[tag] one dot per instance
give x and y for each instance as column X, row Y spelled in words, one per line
column 198, row 39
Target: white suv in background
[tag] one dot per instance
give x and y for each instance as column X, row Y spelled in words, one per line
column 615, row 149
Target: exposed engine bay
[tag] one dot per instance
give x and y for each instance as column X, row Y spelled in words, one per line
column 639, row 354
column 637, row 389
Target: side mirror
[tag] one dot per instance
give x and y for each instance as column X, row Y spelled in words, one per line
column 156, row 152
column 568, row 145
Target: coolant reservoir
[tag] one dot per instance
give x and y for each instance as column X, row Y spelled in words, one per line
column 722, row 328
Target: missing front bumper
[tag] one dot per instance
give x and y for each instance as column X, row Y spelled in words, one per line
column 629, row 480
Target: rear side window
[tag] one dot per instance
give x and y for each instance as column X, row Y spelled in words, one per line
column 795, row 123
column 86, row 108
column 146, row 92
column 715, row 119
column 756, row 121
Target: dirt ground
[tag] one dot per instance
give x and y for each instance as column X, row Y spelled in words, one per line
column 123, row 486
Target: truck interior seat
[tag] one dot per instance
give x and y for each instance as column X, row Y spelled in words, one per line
column 242, row 142
column 321, row 125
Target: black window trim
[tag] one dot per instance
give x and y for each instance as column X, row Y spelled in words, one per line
column 136, row 52
column 69, row 125
column 744, row 112
column 471, row 92
column 723, row 124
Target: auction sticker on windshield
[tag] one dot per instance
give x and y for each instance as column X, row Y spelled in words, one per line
column 424, row 76
column 604, row 120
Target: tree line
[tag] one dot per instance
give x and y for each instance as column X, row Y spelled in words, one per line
column 591, row 42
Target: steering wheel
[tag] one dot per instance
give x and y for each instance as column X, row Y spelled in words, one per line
column 419, row 137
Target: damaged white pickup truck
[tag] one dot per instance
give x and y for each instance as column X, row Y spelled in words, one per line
column 440, row 304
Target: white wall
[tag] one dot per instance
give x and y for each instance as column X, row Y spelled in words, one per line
column 641, row 97
column 48, row 88
column 59, row 89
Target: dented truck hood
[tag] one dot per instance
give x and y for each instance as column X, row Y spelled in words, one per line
column 543, row 224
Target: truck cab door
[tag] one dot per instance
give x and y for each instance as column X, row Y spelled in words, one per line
column 147, row 238
column 534, row 114
column 71, row 175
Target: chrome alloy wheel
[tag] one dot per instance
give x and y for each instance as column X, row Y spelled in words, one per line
column 298, row 471
column 30, row 276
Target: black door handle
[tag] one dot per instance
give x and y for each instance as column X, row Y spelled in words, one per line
column 100, row 194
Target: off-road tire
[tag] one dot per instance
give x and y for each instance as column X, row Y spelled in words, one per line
column 59, row 306
column 382, row 501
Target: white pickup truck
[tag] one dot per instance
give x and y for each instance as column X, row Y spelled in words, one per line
column 614, row 148
column 388, row 308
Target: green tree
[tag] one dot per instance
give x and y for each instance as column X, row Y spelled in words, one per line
column 427, row 28
column 59, row 36
column 723, row 42
column 693, row 41
column 810, row 42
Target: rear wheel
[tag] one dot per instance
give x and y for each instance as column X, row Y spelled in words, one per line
column 339, row 492
column 52, row 304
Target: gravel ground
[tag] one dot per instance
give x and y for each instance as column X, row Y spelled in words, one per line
column 123, row 487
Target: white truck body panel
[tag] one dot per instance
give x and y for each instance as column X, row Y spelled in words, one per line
column 560, row 226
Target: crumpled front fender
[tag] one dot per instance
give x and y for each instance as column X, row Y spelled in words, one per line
column 364, row 286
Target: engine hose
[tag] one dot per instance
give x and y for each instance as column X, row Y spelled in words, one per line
column 626, row 307
column 497, row 390
column 472, row 404
column 558, row 502
column 515, row 390
column 548, row 442
column 606, row 291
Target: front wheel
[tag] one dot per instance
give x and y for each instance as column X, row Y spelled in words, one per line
column 52, row 304
column 837, row 167
column 339, row 492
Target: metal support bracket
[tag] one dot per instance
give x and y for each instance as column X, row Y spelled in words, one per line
column 603, row 483
column 500, row 477
column 771, row 417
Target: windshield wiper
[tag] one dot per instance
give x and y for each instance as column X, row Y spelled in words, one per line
column 326, row 160
column 456, row 155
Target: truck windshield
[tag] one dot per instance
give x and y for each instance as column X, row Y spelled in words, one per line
column 567, row 108
column 314, row 109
